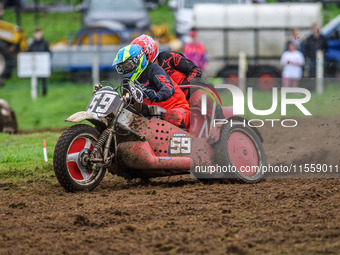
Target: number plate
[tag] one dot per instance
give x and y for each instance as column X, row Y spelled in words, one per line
column 180, row 145
column 104, row 102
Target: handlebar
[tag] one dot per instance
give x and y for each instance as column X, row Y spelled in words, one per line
column 140, row 86
column 137, row 91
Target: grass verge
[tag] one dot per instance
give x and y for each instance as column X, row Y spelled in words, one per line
column 163, row 15
column 56, row 26
column 22, row 157
column 63, row 99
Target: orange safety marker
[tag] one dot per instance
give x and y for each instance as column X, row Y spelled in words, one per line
column 45, row 152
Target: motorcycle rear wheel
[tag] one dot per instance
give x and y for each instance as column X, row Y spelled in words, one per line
column 73, row 172
column 241, row 150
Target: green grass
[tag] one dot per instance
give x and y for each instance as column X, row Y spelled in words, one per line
column 161, row 15
column 330, row 11
column 56, row 26
column 62, row 100
column 21, row 156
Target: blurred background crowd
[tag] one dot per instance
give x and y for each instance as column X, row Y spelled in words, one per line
column 77, row 29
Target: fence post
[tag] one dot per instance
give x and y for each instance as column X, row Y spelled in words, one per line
column 95, row 68
column 242, row 70
column 34, row 79
column 319, row 71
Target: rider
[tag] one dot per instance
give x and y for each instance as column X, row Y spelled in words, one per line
column 132, row 63
column 182, row 70
column 179, row 68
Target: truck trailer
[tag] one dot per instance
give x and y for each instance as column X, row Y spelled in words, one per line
column 259, row 30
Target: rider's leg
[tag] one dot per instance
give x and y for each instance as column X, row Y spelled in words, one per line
column 178, row 117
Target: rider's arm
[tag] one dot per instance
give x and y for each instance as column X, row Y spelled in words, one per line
column 162, row 83
column 185, row 66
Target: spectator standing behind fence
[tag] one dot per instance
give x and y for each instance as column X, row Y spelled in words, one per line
column 296, row 39
column 195, row 51
column 292, row 61
column 39, row 44
column 313, row 43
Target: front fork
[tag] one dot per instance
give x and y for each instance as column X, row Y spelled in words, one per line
column 105, row 158
column 103, row 147
column 105, row 141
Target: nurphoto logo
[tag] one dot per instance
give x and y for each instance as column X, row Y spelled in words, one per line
column 239, row 106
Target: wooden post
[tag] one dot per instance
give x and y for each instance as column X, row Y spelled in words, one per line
column 319, row 71
column 95, row 68
column 242, row 70
column 34, row 79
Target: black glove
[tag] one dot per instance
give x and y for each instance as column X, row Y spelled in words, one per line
column 152, row 95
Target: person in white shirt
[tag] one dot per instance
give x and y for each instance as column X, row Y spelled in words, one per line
column 292, row 61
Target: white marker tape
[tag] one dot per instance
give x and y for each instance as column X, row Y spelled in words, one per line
column 45, row 152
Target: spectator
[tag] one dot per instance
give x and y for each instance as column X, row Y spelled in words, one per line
column 39, row 44
column 313, row 43
column 296, row 39
column 195, row 51
column 292, row 60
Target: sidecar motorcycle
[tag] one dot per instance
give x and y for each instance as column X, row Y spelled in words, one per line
column 131, row 140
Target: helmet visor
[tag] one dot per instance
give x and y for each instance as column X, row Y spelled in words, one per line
column 126, row 67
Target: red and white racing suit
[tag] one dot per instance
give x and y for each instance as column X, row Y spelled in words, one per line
column 171, row 96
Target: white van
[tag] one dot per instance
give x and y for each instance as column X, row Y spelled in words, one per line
column 183, row 11
column 120, row 14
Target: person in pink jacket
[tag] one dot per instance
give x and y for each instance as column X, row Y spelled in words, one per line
column 195, row 51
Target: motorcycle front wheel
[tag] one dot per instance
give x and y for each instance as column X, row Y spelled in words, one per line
column 72, row 169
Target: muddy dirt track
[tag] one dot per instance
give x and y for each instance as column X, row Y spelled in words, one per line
column 179, row 215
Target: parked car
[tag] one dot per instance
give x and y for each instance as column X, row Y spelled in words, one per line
column 128, row 13
column 260, row 31
column 184, row 18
